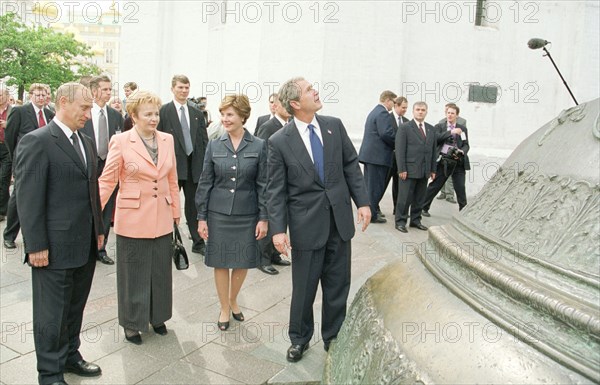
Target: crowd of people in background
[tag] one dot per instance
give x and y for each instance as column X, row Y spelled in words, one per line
column 249, row 199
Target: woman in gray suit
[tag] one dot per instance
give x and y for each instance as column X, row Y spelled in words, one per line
column 232, row 204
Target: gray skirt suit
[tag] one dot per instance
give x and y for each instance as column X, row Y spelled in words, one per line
column 231, row 197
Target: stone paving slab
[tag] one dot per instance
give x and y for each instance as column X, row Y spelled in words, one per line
column 195, row 351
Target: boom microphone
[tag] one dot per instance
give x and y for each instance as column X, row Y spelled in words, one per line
column 537, row 43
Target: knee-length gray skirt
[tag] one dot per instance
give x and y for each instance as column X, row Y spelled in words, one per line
column 231, row 241
column 144, row 281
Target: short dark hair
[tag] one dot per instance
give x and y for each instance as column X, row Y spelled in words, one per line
column 454, row 107
column 131, row 85
column 399, row 100
column 387, row 95
column 96, row 80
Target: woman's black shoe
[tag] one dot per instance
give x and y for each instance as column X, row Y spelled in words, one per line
column 133, row 336
column 238, row 316
column 161, row 329
column 222, row 325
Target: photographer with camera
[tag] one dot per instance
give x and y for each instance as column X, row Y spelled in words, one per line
column 453, row 146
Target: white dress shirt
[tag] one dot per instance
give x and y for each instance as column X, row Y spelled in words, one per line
column 305, row 134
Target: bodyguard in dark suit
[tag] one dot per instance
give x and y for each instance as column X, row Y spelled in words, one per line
column 265, row 118
column 415, row 155
column 397, row 114
column 104, row 123
column 57, row 190
column 313, row 175
column 186, row 123
column 377, row 150
column 452, row 147
column 21, row 121
column 5, row 160
column 270, row 256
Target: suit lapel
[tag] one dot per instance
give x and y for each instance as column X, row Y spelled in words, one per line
column 300, row 151
column 174, row 118
column 138, row 146
column 162, row 150
column 65, row 145
column 327, row 135
column 194, row 123
column 31, row 114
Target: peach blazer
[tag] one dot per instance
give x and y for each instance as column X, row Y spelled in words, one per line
column 148, row 196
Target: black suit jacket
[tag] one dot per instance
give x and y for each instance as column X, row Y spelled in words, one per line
column 20, row 121
column 60, row 206
column 414, row 154
column 170, row 123
column 442, row 135
column 116, row 122
column 378, row 140
column 260, row 121
column 296, row 195
column 268, row 128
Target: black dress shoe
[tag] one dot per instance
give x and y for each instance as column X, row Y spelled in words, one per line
column 10, row 244
column 59, row 383
column 277, row 260
column 450, row 199
column 199, row 249
column 161, row 329
column 441, row 196
column 268, row 270
column 401, row 228
column 295, row 352
column 425, row 213
column 84, row 369
column 133, row 337
column 222, row 325
column 380, row 214
column 379, row 220
column 238, row 316
column 418, row 226
column 104, row 258
column 2, row 217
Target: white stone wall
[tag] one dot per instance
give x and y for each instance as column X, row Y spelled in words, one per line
column 356, row 49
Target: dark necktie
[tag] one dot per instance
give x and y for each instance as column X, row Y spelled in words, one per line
column 399, row 121
column 422, row 131
column 452, row 135
column 75, row 139
column 41, row 121
column 317, row 152
column 102, row 136
column 185, row 127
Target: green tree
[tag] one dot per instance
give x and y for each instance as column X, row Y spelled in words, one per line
column 35, row 54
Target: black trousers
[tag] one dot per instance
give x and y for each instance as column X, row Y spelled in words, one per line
column 331, row 266
column 5, row 175
column 13, row 226
column 411, row 194
column 190, row 210
column 267, row 250
column 393, row 176
column 59, row 297
column 375, row 176
column 107, row 212
column 458, row 174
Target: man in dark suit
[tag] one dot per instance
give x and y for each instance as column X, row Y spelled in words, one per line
column 400, row 107
column 377, row 150
column 447, row 191
column 313, row 174
column 452, row 147
column 22, row 120
column 270, row 256
column 415, row 156
column 265, row 118
column 5, row 161
column 186, row 123
column 59, row 207
column 104, row 123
